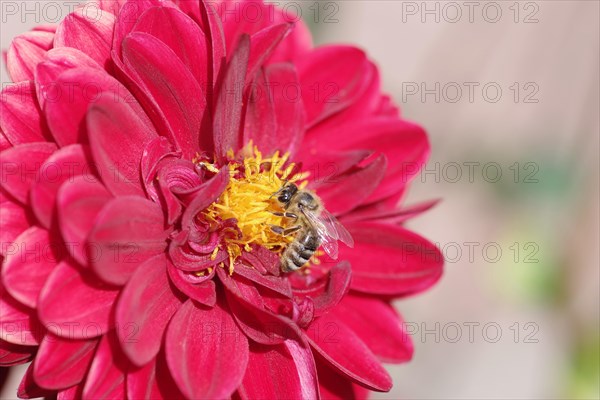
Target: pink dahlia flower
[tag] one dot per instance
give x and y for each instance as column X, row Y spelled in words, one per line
column 141, row 151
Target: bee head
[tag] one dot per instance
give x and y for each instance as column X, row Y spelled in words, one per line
column 286, row 193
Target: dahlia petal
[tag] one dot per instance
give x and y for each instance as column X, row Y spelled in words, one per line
column 250, row 313
column 404, row 144
column 70, row 96
column 216, row 39
column 92, row 36
column 56, row 61
column 342, row 348
column 18, row 324
column 142, row 383
column 126, row 20
column 111, row 6
column 20, row 114
column 228, row 109
column 407, row 154
column 365, row 106
column 128, row 231
column 284, row 371
column 260, row 124
column 325, row 166
column 184, row 37
column 78, row 203
column 206, row 194
column 333, row 77
column 334, row 386
column 178, row 181
column 19, row 166
column 72, row 393
column 275, row 115
column 289, row 108
column 202, row 292
column 156, row 150
column 73, row 305
column 172, row 90
column 12, row 354
column 25, row 271
column 110, row 122
column 338, row 284
column 378, row 325
column 345, row 192
column 147, row 303
column 4, row 144
column 106, row 376
column 65, row 164
column 206, row 352
column 28, row 389
column 25, row 52
column 14, row 222
column 188, row 261
column 274, row 283
column 262, row 45
column 152, row 382
column 61, row 363
column 297, row 44
column 381, row 213
column 389, row 260
column 263, row 260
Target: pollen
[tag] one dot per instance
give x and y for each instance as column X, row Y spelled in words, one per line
column 250, row 199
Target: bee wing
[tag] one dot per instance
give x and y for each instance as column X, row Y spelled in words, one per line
column 330, row 246
column 329, row 230
column 333, row 225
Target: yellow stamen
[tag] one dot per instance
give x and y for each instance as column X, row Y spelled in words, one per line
column 249, row 199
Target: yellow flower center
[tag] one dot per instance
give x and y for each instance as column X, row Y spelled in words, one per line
column 249, row 199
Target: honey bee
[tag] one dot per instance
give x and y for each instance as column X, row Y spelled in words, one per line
column 314, row 227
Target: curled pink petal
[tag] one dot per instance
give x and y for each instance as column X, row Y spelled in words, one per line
column 199, row 289
column 249, row 310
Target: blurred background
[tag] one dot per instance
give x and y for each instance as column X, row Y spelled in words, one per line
column 509, row 93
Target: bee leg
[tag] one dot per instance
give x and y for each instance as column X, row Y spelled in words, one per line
column 284, row 231
column 285, row 214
